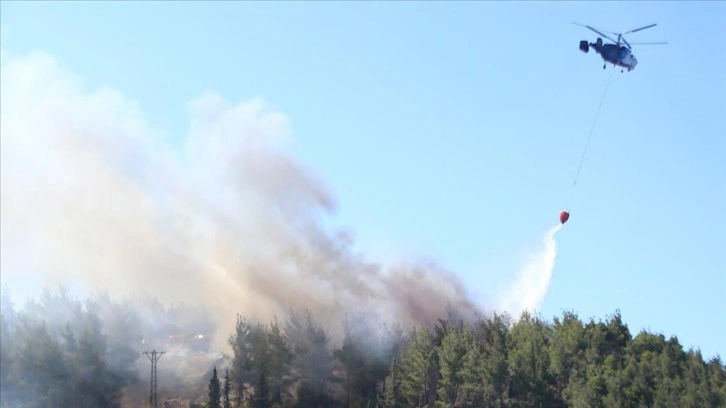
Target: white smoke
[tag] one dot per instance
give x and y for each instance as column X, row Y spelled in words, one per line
column 533, row 282
column 94, row 197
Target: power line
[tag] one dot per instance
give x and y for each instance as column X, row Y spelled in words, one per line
column 154, row 357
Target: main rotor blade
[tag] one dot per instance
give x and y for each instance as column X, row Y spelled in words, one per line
column 638, row 29
column 649, row 43
column 595, row 30
column 625, row 41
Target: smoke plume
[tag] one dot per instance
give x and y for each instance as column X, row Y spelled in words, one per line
column 225, row 216
column 531, row 286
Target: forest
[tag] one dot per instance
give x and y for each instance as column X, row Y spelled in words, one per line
column 62, row 352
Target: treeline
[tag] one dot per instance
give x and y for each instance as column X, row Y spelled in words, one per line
column 54, row 354
column 493, row 362
column 58, row 351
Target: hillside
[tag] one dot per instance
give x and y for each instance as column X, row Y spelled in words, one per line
column 60, row 351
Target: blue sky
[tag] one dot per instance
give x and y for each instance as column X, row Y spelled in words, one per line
column 455, row 129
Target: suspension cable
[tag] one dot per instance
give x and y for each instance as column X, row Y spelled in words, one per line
column 592, row 128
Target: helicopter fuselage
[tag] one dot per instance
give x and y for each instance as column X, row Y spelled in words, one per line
column 615, row 54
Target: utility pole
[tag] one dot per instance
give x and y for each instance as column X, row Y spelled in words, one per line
column 154, row 356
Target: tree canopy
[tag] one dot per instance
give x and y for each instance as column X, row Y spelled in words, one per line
column 492, row 362
column 61, row 352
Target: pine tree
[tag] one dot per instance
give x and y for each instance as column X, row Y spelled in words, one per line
column 279, row 359
column 214, row 391
column 393, row 397
column 452, row 354
column 227, row 387
column 419, row 364
column 262, row 393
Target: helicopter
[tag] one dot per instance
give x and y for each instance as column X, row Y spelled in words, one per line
column 616, row 54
